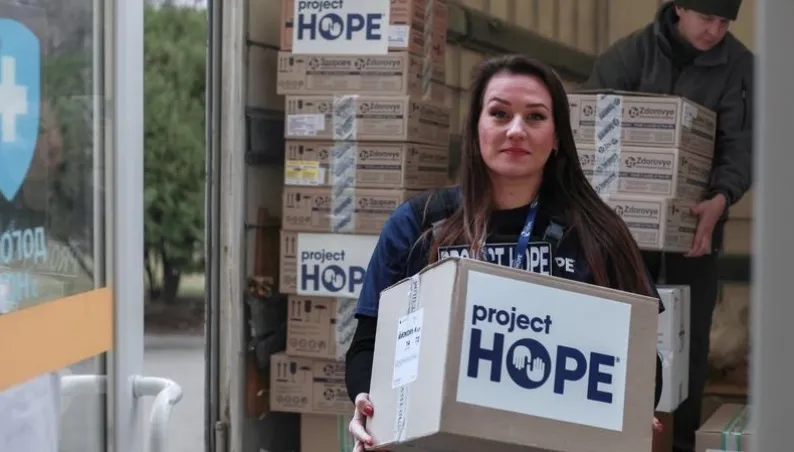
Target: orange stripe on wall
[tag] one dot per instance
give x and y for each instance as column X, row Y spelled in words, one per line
column 55, row 334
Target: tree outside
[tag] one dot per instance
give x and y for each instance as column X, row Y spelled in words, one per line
column 174, row 87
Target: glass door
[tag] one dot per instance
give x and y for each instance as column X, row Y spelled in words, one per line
column 71, row 230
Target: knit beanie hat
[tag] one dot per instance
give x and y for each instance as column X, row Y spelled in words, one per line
column 728, row 9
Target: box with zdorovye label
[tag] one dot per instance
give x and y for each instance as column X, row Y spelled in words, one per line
column 303, row 385
column 339, row 209
column 657, row 224
column 398, row 73
column 471, row 356
column 320, row 327
column 363, row 164
column 670, row 173
column 609, row 119
column 353, row 117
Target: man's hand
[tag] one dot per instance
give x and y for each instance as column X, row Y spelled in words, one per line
column 708, row 213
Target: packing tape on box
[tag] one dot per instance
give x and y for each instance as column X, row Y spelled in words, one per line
column 608, row 129
column 346, row 323
column 401, row 417
column 342, row 163
column 342, row 177
column 731, row 435
column 346, row 441
column 426, row 77
column 343, row 117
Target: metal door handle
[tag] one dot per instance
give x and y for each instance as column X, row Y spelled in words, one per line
column 166, row 394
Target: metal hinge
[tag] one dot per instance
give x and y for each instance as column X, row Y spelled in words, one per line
column 221, row 437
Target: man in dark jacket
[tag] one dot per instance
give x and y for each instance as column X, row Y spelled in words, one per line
column 687, row 51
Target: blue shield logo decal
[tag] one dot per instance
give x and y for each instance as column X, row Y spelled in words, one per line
column 20, row 96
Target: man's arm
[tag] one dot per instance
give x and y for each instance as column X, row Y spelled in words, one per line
column 732, row 170
column 619, row 67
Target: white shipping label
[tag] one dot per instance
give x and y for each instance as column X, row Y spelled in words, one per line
column 399, row 36
column 332, row 265
column 406, row 348
column 305, row 125
column 544, row 352
column 341, row 27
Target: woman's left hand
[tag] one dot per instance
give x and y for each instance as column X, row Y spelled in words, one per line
column 657, row 426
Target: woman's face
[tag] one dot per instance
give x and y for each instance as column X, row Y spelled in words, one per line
column 516, row 127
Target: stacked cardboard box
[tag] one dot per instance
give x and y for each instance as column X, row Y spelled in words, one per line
column 673, row 345
column 364, row 132
column 727, row 429
column 649, row 157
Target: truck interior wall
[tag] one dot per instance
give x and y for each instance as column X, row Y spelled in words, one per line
column 588, row 25
column 264, row 182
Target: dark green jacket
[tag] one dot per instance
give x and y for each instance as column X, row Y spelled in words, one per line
column 720, row 79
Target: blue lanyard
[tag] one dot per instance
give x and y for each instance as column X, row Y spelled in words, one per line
column 523, row 239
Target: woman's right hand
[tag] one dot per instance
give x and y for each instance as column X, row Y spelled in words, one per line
column 358, row 424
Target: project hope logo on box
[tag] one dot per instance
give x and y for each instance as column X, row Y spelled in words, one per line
column 544, row 352
column 333, row 265
column 341, row 26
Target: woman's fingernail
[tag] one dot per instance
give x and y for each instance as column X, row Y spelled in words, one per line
column 368, row 410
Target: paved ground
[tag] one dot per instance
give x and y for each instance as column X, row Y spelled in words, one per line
column 180, row 359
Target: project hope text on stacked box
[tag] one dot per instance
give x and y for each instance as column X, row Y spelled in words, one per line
column 366, row 129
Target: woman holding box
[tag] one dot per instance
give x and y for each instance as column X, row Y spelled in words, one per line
column 522, row 193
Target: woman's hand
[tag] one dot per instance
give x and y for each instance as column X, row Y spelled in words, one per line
column 658, row 427
column 358, row 424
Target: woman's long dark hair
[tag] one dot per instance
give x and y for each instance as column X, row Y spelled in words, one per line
column 607, row 245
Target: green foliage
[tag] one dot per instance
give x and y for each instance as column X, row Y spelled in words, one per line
column 174, row 84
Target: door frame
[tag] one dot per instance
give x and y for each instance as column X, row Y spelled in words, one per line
column 124, row 222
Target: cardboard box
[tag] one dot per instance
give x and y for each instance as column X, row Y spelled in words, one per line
column 727, row 430
column 320, row 328
column 673, row 345
column 675, row 381
column 630, row 119
column 472, row 356
column 324, row 265
column 743, row 209
column 363, row 164
column 411, row 27
column 302, row 385
column 674, row 321
column 398, row 73
column 353, row 117
column 339, row 209
column 321, row 433
column 657, row 224
column 738, row 237
column 646, row 171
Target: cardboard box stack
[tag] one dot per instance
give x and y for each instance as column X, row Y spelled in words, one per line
column 649, row 156
column 364, row 132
